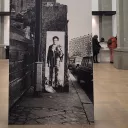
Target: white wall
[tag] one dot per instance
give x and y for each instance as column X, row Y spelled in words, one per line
column 114, row 20
column 95, row 19
column 0, row 4
column 6, row 5
column 113, row 5
column 0, row 31
column 114, row 25
column 6, row 30
column 95, row 25
column 79, row 16
column 95, row 5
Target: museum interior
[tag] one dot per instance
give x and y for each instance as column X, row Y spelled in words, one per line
column 110, row 73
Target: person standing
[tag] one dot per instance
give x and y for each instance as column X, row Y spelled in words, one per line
column 54, row 57
column 96, row 48
column 112, row 44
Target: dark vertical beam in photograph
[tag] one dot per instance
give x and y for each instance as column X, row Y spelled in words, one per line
column 66, row 87
column 38, row 63
column 37, row 38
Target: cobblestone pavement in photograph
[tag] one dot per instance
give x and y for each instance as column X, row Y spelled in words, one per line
column 57, row 108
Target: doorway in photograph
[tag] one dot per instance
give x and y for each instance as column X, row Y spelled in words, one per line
column 55, row 61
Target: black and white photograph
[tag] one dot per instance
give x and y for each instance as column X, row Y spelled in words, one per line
column 54, row 67
column 51, row 62
column 63, row 63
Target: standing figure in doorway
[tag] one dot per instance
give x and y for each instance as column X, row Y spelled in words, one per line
column 112, row 44
column 54, row 58
column 96, row 48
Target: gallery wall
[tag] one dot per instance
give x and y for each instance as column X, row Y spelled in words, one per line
column 95, row 5
column 95, row 19
column 113, row 5
column 95, row 25
column 0, row 4
column 6, row 29
column 4, row 22
column 6, row 5
column 114, row 18
column 114, row 25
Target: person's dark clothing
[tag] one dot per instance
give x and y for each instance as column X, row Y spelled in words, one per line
column 54, row 57
column 96, row 49
column 96, row 46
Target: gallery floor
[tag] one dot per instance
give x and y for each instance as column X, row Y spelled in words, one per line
column 111, row 98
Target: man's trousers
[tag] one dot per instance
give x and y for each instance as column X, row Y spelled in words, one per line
column 53, row 75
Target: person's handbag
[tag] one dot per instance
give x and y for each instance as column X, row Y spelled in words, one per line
column 109, row 42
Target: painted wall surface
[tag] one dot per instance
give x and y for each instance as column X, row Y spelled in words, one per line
column 95, row 19
column 6, row 5
column 0, row 5
column 114, row 25
column 114, row 18
column 106, row 27
column 0, row 30
column 95, row 5
column 95, row 25
column 6, row 30
column 113, row 5
column 105, row 5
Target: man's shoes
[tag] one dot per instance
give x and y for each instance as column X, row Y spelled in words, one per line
column 49, row 89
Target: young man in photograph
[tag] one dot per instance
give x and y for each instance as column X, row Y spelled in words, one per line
column 54, row 58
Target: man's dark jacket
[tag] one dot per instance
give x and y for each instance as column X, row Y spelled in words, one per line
column 54, row 57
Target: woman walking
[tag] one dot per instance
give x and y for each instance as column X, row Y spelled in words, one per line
column 112, row 44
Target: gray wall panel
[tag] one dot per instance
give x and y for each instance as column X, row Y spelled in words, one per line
column 105, row 5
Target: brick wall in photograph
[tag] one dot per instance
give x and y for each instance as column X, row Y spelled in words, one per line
column 21, row 64
column 22, row 5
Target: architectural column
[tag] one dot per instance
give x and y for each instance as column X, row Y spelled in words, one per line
column 105, row 27
column 105, row 5
column 121, row 53
column 105, row 22
column 2, row 5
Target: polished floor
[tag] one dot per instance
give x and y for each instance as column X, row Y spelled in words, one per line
column 110, row 94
